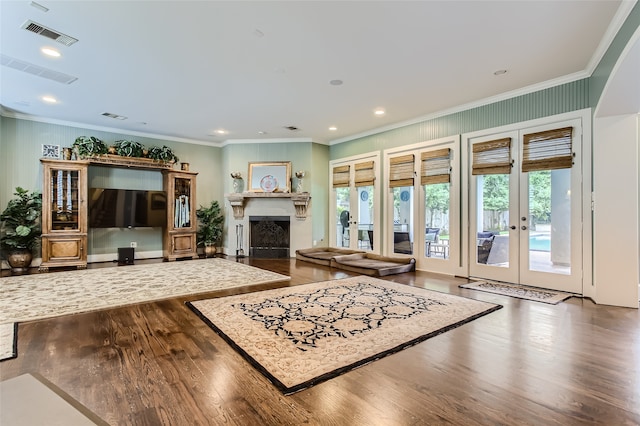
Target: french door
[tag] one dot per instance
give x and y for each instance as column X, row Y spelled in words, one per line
column 355, row 203
column 422, row 204
column 525, row 206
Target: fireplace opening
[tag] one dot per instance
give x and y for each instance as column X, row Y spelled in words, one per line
column 269, row 236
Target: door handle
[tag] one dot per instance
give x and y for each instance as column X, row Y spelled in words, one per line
column 523, row 227
column 513, row 227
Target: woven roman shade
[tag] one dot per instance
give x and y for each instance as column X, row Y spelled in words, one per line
column 341, row 176
column 435, row 166
column 547, row 150
column 401, row 171
column 364, row 173
column 492, row 157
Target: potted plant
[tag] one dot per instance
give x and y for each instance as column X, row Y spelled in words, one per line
column 210, row 222
column 20, row 228
column 163, row 154
column 127, row 148
column 89, row 146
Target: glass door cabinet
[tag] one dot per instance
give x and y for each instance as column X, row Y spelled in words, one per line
column 64, row 214
column 180, row 234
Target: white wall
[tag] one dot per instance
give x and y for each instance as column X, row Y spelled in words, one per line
column 615, row 171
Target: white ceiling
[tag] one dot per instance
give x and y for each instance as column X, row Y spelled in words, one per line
column 184, row 69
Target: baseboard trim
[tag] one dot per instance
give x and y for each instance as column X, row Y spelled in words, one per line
column 110, row 257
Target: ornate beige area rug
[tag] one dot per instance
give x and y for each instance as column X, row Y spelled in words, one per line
column 519, row 291
column 300, row 336
column 38, row 296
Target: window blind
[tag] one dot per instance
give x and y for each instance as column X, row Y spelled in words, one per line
column 364, row 173
column 341, row 176
column 401, row 171
column 492, row 157
column 547, row 150
column 435, row 166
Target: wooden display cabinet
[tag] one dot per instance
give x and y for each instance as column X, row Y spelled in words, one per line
column 179, row 239
column 64, row 214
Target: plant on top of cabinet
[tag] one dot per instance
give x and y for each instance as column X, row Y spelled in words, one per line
column 126, row 148
column 163, row 154
column 89, row 146
column 21, row 228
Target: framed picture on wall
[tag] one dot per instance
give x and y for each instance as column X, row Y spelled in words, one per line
column 272, row 176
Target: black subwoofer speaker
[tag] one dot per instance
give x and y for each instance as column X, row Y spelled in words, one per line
column 125, row 255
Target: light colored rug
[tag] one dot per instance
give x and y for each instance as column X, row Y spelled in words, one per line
column 302, row 335
column 33, row 400
column 519, row 291
column 38, row 296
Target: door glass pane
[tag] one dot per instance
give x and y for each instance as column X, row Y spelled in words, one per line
column 183, row 207
column 436, row 218
column 403, row 220
column 550, row 221
column 64, row 197
column 493, row 219
column 365, row 217
column 343, row 216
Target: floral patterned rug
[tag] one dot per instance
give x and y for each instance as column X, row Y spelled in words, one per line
column 300, row 336
column 38, row 296
column 519, row 291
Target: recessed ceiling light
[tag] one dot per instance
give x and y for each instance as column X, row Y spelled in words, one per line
column 50, row 52
column 50, row 99
column 221, row 132
column 333, row 128
column 379, row 111
column 258, row 33
column 262, row 132
column 336, row 82
column 500, row 72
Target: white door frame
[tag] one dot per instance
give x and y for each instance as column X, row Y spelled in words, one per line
column 353, row 228
column 585, row 210
column 452, row 264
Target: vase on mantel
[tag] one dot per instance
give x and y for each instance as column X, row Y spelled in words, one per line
column 300, row 175
column 238, row 183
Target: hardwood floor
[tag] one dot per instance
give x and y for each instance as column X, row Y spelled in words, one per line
column 528, row 363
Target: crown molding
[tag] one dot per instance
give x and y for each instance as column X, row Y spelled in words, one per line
column 263, row 141
column 471, row 105
column 618, row 20
column 13, row 114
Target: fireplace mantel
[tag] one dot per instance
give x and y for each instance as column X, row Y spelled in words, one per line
column 238, row 201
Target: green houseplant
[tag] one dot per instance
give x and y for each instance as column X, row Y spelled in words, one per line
column 210, row 222
column 163, row 154
column 126, row 148
column 89, row 146
column 20, row 228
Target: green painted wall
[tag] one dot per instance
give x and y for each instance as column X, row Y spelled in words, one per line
column 601, row 74
column 555, row 100
column 21, row 149
column 311, row 157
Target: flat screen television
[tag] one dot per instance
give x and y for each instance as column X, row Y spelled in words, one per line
column 126, row 208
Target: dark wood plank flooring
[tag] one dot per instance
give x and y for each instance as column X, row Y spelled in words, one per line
column 528, row 363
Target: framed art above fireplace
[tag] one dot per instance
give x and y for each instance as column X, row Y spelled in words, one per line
column 272, row 176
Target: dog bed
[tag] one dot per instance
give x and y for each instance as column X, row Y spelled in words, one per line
column 373, row 264
column 322, row 255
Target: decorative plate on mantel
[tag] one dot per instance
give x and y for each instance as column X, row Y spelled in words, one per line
column 269, row 183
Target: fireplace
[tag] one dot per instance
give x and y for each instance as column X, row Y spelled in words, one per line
column 269, row 236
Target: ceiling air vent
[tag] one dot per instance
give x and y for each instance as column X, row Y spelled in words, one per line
column 292, row 128
column 116, row 116
column 36, row 70
column 36, row 28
